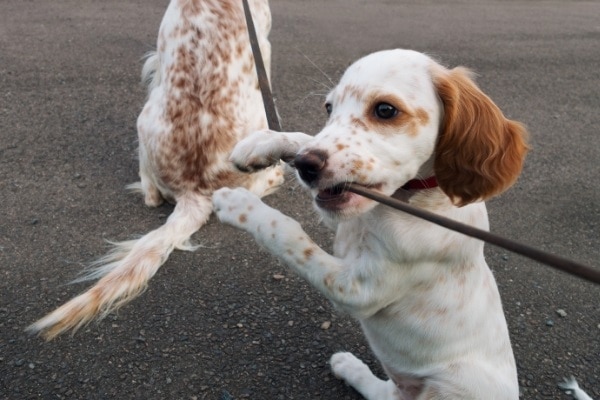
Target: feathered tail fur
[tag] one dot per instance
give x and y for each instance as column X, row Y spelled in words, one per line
column 151, row 76
column 124, row 273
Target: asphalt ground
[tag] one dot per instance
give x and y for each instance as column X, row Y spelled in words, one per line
column 228, row 321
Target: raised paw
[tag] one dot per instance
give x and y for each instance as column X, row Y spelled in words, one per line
column 236, row 206
column 255, row 152
column 267, row 181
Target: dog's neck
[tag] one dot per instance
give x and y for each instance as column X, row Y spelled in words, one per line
column 413, row 186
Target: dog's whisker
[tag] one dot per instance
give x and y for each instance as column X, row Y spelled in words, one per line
column 327, row 87
column 312, row 94
column 317, row 68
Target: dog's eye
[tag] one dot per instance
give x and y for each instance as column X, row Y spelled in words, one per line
column 328, row 108
column 385, row 111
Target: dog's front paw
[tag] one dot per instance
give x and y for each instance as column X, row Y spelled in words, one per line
column 257, row 151
column 236, row 206
column 346, row 366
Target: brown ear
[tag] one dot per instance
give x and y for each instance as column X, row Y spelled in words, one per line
column 479, row 152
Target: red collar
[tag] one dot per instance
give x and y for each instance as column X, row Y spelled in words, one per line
column 419, row 184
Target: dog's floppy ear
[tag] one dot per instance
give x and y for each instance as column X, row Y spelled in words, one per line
column 479, row 153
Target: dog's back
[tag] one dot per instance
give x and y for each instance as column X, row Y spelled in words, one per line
column 207, row 97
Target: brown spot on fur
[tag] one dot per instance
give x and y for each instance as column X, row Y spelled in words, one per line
column 328, row 281
column 308, row 252
column 327, row 174
column 243, row 218
column 359, row 123
column 239, row 49
column 352, row 91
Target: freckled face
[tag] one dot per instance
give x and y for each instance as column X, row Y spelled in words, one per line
column 382, row 127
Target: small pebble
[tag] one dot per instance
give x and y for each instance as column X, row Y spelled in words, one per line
column 278, row 277
column 549, row 322
column 326, row 325
column 561, row 312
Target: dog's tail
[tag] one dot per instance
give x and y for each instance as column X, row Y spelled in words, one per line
column 124, row 273
column 151, row 76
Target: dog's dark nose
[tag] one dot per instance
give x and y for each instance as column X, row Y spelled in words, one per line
column 310, row 165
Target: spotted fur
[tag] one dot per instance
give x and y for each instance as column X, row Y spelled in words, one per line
column 427, row 301
column 203, row 97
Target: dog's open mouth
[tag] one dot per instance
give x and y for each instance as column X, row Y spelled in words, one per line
column 338, row 197
column 331, row 193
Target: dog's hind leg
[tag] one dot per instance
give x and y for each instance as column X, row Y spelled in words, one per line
column 152, row 196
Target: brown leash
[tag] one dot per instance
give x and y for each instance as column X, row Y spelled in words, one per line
column 263, row 79
column 563, row 264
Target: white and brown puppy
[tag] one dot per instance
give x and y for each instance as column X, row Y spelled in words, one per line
column 203, row 98
column 425, row 297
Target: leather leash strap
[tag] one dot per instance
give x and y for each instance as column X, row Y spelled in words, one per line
column 560, row 263
column 263, row 79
